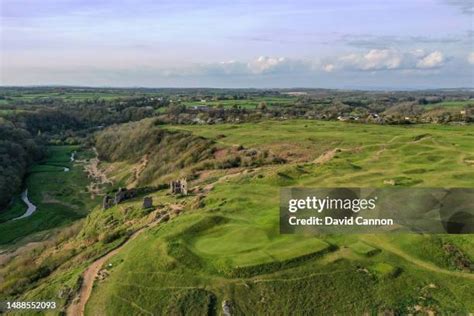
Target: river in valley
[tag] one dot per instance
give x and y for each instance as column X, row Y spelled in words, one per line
column 31, row 207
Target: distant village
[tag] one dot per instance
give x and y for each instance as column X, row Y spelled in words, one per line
column 377, row 111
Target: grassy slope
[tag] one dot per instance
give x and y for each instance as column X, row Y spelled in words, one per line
column 60, row 196
column 191, row 260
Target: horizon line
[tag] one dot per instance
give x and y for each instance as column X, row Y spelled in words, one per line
column 237, row 88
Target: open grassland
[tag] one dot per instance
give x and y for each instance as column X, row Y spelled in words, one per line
column 60, row 196
column 69, row 96
column 229, row 247
column 339, row 154
column 451, row 104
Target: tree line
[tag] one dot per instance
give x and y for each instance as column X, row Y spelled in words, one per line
column 18, row 149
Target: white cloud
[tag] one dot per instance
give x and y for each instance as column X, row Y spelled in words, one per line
column 265, row 64
column 229, row 67
column 432, row 60
column 375, row 59
column 388, row 59
column 371, row 60
column 260, row 65
column 470, row 58
column 382, row 58
column 328, row 67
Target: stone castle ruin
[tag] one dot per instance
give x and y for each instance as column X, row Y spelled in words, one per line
column 147, row 202
column 179, row 187
column 107, row 202
column 123, row 194
column 120, row 196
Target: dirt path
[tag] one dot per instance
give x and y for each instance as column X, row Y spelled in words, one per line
column 137, row 171
column 379, row 242
column 326, row 156
column 329, row 154
column 96, row 174
column 77, row 307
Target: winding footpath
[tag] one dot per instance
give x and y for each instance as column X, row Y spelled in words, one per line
column 78, row 305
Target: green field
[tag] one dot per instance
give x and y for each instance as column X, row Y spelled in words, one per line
column 451, row 104
column 70, row 96
column 60, row 196
column 250, row 103
column 230, row 248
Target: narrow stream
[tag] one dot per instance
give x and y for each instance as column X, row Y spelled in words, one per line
column 31, row 207
column 72, row 158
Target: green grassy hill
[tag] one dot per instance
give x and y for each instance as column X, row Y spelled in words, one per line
column 221, row 243
column 230, row 248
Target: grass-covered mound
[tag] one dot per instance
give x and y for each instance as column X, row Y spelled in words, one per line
column 237, row 247
column 362, row 248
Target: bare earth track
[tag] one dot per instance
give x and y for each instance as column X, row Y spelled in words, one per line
column 77, row 307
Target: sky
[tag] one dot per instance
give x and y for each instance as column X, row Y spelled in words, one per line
column 361, row 44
